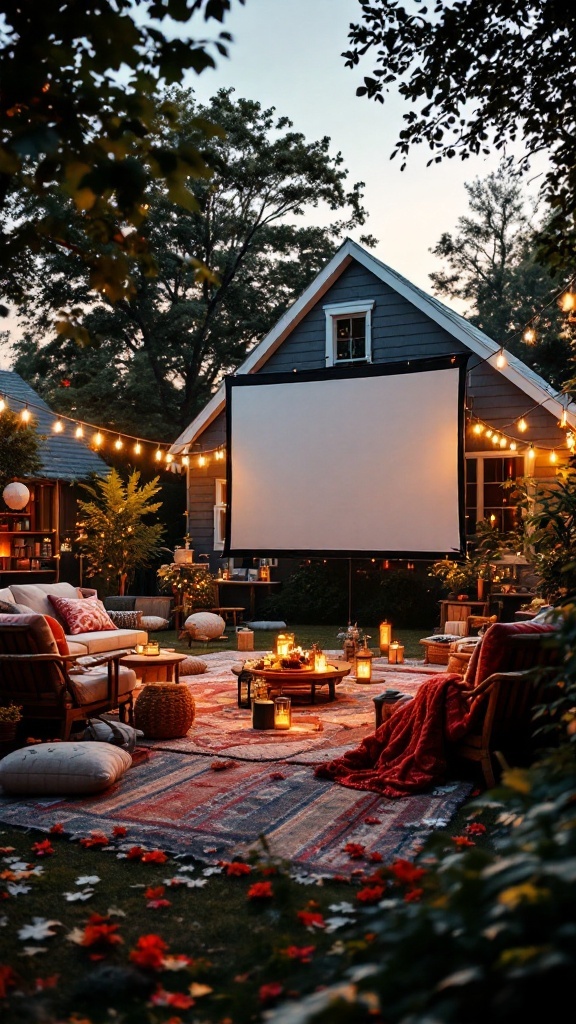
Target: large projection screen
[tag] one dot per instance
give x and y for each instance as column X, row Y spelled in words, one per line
column 358, row 463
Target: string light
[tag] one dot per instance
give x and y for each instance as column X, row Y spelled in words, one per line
column 2, row 403
column 553, row 456
column 529, row 336
column 118, row 443
column 97, row 439
column 531, row 452
column 185, row 460
column 25, row 415
column 201, row 460
column 79, row 432
column 158, row 455
column 501, row 360
column 522, row 425
column 137, row 448
column 58, row 426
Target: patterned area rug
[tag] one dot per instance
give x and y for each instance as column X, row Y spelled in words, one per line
column 217, row 793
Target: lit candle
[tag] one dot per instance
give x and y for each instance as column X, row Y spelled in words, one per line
column 385, row 636
column 321, row 662
column 282, row 714
column 395, row 653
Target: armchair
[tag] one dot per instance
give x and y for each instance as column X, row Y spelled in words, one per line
column 49, row 685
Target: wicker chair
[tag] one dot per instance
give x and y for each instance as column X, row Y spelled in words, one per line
column 508, row 697
column 49, row 687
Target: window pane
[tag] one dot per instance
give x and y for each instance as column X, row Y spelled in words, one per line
column 350, row 338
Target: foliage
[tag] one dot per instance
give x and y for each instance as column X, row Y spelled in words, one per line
column 457, row 577
column 79, row 98
column 158, row 358
column 115, row 536
column 478, row 76
column 19, row 448
column 405, row 598
column 550, row 525
column 10, row 712
column 193, row 582
column 461, row 576
column 314, row 592
column 491, row 264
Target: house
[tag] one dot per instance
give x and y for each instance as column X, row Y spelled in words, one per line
column 360, row 311
column 36, row 541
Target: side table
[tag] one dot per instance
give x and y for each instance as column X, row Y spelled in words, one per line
column 155, row 668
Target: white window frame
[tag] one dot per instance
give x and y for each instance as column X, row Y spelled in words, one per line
column 332, row 312
column 480, row 456
column 220, row 510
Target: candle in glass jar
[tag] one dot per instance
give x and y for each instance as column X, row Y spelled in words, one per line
column 395, row 653
column 282, row 713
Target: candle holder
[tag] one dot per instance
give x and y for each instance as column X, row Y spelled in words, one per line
column 151, row 648
column 282, row 713
column 284, row 644
column 263, row 714
column 385, row 630
column 364, row 663
column 395, row 653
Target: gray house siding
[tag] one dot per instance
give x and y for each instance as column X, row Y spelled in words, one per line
column 400, row 331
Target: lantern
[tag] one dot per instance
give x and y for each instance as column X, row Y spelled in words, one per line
column 363, row 664
column 284, row 644
column 395, row 653
column 282, row 714
column 151, row 648
column 262, row 714
column 16, row 495
column 264, row 574
column 385, row 629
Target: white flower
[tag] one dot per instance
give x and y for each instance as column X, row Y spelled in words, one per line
column 40, row 928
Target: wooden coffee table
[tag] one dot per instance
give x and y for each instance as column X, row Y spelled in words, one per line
column 155, row 668
column 285, row 680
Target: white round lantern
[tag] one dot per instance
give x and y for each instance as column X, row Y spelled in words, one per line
column 16, row 495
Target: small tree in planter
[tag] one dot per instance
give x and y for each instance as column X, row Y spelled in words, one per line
column 114, row 536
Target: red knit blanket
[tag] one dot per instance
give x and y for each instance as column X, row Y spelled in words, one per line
column 407, row 753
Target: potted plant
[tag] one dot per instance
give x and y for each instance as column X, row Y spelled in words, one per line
column 10, row 715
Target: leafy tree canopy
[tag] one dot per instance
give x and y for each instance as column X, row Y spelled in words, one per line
column 155, row 359
column 78, row 101
column 491, row 264
column 483, row 74
column 19, row 448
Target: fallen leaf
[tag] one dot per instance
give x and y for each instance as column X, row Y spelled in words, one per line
column 40, row 928
column 87, row 880
column 33, row 950
column 73, row 897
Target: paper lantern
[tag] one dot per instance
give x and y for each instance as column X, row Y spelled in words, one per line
column 385, row 629
column 16, row 495
column 282, row 713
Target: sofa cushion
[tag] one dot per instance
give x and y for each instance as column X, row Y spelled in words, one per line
column 82, row 615
column 128, row 620
column 91, row 684
column 108, row 640
column 59, row 769
column 35, row 596
column 492, row 653
column 11, row 608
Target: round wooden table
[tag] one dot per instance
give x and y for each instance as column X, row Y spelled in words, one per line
column 280, row 680
column 155, row 668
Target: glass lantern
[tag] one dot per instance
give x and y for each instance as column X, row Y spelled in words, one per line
column 363, row 664
column 385, row 630
column 282, row 713
column 395, row 653
column 284, row 644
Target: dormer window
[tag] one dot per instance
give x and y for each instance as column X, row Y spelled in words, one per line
column 348, row 332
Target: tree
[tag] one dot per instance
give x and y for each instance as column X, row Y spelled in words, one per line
column 491, row 264
column 19, row 448
column 155, row 359
column 115, row 536
column 485, row 74
column 79, row 96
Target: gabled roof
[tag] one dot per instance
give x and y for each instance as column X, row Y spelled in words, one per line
column 538, row 390
column 63, row 457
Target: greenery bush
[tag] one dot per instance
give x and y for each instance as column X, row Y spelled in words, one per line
column 317, row 592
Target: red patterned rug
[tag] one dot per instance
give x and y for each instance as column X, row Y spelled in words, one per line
column 224, row 788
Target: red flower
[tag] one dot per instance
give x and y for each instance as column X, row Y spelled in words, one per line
column 269, row 993
column 43, row 849
column 236, row 868
column 7, row 980
column 413, row 895
column 98, row 932
column 154, row 892
column 310, row 919
column 355, row 850
column 149, row 952
column 260, row 891
column 154, row 857
column 57, row 829
column 180, row 1000
column 301, row 953
column 375, row 857
column 475, row 828
column 135, row 853
column 119, row 830
column 370, row 895
column 406, row 872
column 462, row 841
column 95, row 839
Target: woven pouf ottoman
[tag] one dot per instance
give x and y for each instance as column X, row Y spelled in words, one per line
column 164, row 710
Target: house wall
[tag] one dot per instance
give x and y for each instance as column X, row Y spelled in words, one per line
column 399, row 332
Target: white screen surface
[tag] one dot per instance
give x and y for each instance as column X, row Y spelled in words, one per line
column 360, row 464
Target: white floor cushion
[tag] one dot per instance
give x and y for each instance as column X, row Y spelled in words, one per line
column 62, row 768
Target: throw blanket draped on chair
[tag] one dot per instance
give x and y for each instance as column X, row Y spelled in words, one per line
column 407, row 753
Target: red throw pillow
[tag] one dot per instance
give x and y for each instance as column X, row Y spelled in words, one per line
column 59, row 635
column 82, row 615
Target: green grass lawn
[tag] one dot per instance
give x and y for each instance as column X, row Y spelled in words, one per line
column 305, row 636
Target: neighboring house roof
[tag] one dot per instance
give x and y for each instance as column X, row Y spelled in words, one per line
column 538, row 390
column 63, row 457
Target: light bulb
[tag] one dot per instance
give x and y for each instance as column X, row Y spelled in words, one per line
column 564, row 418
column 2, row 405
column 529, row 336
column 503, row 442
column 513, row 446
column 169, row 458
column 219, row 454
column 185, row 460
column 495, row 438
column 553, row 456
column 137, row 448
column 201, row 460
column 489, row 432
column 25, row 415
column 158, row 455
column 568, row 302
column 98, row 439
column 79, row 431
column 531, row 452
column 58, row 427
column 522, row 425
column 478, row 428
column 118, row 443
column 501, row 360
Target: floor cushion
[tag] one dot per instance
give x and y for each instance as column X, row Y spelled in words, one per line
column 192, row 667
column 205, row 624
column 152, row 623
column 58, row 769
column 266, row 625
